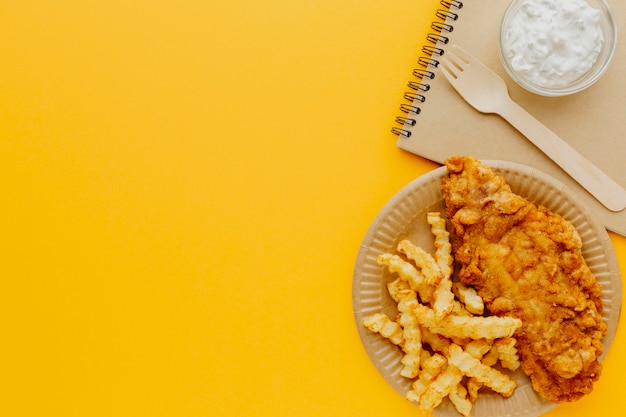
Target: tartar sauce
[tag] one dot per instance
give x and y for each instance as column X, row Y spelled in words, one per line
column 553, row 42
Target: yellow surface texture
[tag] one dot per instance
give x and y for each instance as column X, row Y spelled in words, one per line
column 184, row 188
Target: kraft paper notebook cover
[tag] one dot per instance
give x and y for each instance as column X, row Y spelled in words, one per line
column 437, row 123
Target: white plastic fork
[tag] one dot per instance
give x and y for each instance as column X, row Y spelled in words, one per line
column 484, row 90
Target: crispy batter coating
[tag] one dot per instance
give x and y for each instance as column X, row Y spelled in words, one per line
column 526, row 262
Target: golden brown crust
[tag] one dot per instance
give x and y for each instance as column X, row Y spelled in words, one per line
column 526, row 262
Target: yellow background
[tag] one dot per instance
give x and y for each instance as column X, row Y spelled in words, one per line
column 185, row 185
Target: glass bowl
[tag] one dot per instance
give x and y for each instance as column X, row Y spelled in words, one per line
column 526, row 74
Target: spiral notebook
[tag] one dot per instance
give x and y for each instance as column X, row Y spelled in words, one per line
column 436, row 123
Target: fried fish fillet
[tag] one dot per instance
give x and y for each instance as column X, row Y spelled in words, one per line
column 526, row 262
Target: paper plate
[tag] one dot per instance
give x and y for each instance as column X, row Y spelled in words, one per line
column 404, row 217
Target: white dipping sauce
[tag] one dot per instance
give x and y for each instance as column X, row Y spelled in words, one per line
column 553, row 42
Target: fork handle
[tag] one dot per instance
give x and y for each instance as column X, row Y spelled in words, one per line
column 589, row 176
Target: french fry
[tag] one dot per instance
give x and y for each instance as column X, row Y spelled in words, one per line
column 460, row 310
column 409, row 273
column 440, row 388
column 475, row 327
column 380, row 323
column 507, row 353
column 474, row 368
column 443, row 252
column 411, row 333
column 473, row 386
column 443, row 298
column 478, row 348
column 425, row 355
column 425, row 260
column 460, row 398
column 430, row 368
column 436, row 342
column 491, row 358
column 469, row 297
column 398, row 288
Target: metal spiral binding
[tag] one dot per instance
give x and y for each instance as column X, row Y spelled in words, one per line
column 431, row 51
